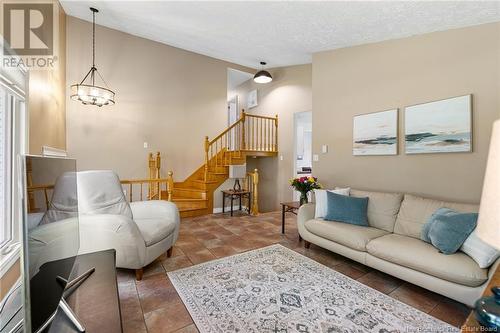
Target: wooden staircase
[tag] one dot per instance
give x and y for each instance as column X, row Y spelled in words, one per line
column 251, row 135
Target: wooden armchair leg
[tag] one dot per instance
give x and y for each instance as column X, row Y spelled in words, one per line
column 138, row 274
column 307, row 244
column 170, row 251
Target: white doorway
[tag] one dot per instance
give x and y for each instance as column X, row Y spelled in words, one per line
column 302, row 138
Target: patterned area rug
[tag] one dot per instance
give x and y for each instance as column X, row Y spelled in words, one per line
column 274, row 289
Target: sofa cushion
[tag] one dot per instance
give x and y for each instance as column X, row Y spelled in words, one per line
column 321, row 200
column 447, row 229
column 354, row 236
column 423, row 257
column 416, row 211
column 382, row 208
column 346, row 209
column 155, row 229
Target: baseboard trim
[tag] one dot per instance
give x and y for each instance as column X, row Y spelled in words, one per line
column 227, row 209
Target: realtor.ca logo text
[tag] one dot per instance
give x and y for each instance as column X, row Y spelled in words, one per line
column 29, row 31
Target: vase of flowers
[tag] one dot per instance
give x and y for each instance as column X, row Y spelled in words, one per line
column 304, row 185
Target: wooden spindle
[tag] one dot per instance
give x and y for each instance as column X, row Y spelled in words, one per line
column 243, row 145
column 130, row 192
column 141, row 191
column 276, row 134
column 207, row 144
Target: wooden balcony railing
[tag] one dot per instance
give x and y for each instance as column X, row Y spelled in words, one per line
column 250, row 133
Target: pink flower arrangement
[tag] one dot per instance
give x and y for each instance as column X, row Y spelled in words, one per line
column 304, row 185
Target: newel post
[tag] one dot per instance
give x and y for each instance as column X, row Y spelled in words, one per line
column 243, row 116
column 170, row 185
column 207, row 145
column 255, row 194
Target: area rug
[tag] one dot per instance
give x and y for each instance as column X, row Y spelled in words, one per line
column 275, row 289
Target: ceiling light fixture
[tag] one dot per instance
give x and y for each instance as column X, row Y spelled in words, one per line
column 89, row 93
column 262, row 76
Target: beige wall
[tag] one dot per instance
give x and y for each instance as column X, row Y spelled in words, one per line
column 395, row 74
column 289, row 92
column 165, row 96
column 47, row 100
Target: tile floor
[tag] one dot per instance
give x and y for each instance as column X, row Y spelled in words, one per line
column 152, row 305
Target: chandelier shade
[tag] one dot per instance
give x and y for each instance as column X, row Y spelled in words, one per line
column 87, row 91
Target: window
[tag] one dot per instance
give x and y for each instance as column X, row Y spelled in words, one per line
column 5, row 163
column 13, row 140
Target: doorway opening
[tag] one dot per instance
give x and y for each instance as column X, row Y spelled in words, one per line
column 302, row 161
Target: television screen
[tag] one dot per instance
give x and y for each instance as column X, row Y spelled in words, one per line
column 50, row 236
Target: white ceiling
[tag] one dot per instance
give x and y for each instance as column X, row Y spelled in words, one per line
column 281, row 33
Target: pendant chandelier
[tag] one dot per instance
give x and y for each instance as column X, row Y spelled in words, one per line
column 262, row 76
column 87, row 91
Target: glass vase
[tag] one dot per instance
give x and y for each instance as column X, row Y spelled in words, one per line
column 303, row 198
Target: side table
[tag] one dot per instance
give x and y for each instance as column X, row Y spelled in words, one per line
column 232, row 194
column 288, row 207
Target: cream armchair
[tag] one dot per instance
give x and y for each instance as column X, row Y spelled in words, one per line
column 139, row 232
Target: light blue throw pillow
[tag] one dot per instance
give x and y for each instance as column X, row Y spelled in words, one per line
column 342, row 208
column 447, row 229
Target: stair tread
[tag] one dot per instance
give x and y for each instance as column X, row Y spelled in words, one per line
column 187, row 199
column 189, row 189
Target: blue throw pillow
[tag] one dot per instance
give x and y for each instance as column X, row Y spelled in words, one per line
column 346, row 209
column 447, row 229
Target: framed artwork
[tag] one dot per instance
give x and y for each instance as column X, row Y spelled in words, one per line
column 252, row 99
column 443, row 126
column 375, row 133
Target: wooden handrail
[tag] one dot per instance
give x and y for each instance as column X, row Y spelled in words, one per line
column 249, row 133
column 225, row 131
column 257, row 116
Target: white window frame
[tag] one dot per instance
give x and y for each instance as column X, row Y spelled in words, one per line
column 14, row 82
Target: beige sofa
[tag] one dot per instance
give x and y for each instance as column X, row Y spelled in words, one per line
column 392, row 244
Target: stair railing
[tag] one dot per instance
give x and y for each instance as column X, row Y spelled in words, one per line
column 160, row 185
column 250, row 133
column 167, row 182
column 251, row 183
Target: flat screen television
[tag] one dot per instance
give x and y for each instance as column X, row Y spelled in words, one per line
column 50, row 237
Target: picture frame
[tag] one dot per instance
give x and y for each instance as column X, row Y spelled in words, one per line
column 376, row 133
column 252, row 99
column 442, row 126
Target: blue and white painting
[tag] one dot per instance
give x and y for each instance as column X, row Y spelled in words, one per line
column 439, row 127
column 376, row 133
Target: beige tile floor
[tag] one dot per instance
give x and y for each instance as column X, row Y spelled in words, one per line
column 153, row 305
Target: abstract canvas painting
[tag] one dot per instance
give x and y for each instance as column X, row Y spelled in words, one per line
column 439, row 127
column 376, row 133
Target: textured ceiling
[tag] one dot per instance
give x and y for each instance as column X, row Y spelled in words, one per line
column 281, row 33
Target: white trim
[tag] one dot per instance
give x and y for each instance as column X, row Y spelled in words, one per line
column 51, row 151
column 9, row 258
column 227, row 209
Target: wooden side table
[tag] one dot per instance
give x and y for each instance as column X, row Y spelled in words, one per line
column 288, row 207
column 232, row 194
